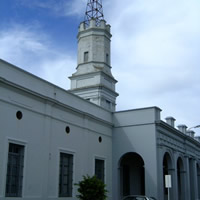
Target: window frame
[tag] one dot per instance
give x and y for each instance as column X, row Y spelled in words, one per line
column 104, row 168
column 20, row 172
column 107, row 58
column 86, row 56
column 61, row 194
column 108, row 104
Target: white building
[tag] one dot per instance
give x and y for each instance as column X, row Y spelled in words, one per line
column 50, row 138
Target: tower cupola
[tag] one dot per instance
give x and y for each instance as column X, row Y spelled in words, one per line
column 93, row 79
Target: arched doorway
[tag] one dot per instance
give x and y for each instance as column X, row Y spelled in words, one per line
column 167, row 165
column 132, row 175
column 180, row 179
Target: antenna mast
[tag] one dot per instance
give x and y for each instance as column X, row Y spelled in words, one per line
column 94, row 11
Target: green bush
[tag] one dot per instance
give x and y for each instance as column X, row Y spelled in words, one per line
column 91, row 188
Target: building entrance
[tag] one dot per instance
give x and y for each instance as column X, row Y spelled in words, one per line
column 132, row 175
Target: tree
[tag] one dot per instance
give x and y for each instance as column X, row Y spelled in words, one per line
column 91, row 188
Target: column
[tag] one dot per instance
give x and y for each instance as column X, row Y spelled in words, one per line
column 195, row 179
column 160, row 188
column 175, row 181
column 198, row 180
column 183, row 185
column 187, row 178
column 173, row 188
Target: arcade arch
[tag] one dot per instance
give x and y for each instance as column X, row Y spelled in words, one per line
column 132, row 174
column 180, row 179
column 167, row 167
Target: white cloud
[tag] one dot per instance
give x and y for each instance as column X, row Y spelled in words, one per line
column 76, row 7
column 58, row 70
column 155, row 55
column 59, row 7
column 31, row 50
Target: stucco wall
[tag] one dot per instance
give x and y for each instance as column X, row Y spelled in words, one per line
column 135, row 132
column 42, row 131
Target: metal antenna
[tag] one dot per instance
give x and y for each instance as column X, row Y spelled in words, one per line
column 94, row 11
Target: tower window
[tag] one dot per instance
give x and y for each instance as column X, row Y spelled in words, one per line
column 107, row 58
column 86, row 56
column 108, row 104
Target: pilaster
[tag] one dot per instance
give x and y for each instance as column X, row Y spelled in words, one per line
column 194, row 171
column 187, row 183
column 172, row 190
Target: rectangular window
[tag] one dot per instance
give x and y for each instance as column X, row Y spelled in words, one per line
column 65, row 175
column 99, row 169
column 107, row 58
column 15, row 168
column 108, row 104
column 86, row 56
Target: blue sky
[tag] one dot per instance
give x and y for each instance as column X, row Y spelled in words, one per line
column 43, row 16
column 155, row 48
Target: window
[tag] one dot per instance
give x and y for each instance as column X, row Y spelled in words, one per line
column 15, row 167
column 65, row 175
column 108, row 104
column 107, row 58
column 86, row 56
column 99, row 169
column 19, row 115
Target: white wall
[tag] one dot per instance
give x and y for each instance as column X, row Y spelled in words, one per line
column 135, row 132
column 42, row 131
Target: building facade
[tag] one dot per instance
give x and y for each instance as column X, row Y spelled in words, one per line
column 50, row 137
column 145, row 149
